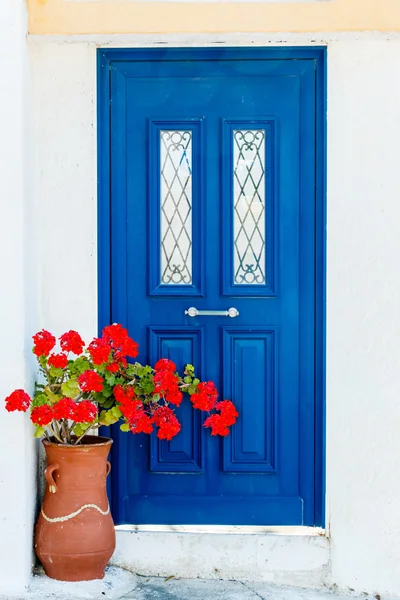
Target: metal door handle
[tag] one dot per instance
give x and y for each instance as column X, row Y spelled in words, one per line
column 193, row 312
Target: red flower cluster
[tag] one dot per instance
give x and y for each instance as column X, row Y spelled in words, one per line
column 166, row 383
column 18, row 400
column 205, row 398
column 99, row 351
column 133, row 410
column 114, row 338
column 164, row 364
column 117, row 336
column 66, row 408
column 59, row 361
column 141, row 423
column 85, row 412
column 44, row 343
column 90, row 381
column 71, row 341
column 167, row 423
column 219, row 423
column 42, row 415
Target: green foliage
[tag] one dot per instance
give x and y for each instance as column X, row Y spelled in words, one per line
column 125, row 427
column 42, row 360
column 81, row 428
column 107, row 391
column 110, row 378
column 70, row 388
column 51, row 396
column 189, row 370
column 39, row 400
column 109, row 417
column 56, row 373
column 79, row 365
column 39, row 432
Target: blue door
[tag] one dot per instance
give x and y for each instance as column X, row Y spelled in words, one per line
column 210, row 169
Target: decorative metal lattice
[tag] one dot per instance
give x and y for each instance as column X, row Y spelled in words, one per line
column 249, row 206
column 176, row 207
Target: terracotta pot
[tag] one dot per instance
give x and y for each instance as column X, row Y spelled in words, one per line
column 75, row 536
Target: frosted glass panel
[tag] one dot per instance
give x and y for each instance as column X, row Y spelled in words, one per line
column 176, row 207
column 249, row 206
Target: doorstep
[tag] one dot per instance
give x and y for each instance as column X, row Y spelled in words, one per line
column 292, row 556
column 119, row 584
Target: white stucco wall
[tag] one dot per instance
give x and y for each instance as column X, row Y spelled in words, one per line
column 17, row 449
column 363, row 327
column 363, row 319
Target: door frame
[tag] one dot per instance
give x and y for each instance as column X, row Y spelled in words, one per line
column 318, row 54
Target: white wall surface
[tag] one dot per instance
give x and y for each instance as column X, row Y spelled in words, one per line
column 17, row 449
column 363, row 325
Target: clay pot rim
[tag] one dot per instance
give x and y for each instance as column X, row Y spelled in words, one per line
column 95, row 442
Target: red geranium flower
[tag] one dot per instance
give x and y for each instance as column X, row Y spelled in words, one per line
column 44, row 342
column 99, row 351
column 59, row 361
column 164, row 364
column 18, row 400
column 85, row 412
column 218, row 427
column 117, row 336
column 141, row 423
column 166, row 383
column 166, row 421
column 64, row 409
column 120, row 392
column 42, row 415
column 90, row 381
column 205, row 397
column 228, row 412
column 129, row 405
column 220, row 423
column 115, row 333
column 71, row 341
column 113, row 367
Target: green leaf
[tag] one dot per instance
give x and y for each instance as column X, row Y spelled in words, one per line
column 52, row 397
column 107, row 391
column 70, row 388
column 132, row 369
column 80, row 429
column 110, row 378
column 108, row 418
column 56, row 372
column 79, row 365
column 116, row 412
column 108, row 403
column 39, row 400
column 39, row 432
column 187, row 379
column 101, row 369
column 42, row 361
column 196, row 381
column 125, row 427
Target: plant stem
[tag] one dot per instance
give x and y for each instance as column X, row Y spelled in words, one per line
column 54, row 432
column 64, row 426
column 88, row 429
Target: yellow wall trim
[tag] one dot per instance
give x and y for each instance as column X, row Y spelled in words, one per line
column 127, row 16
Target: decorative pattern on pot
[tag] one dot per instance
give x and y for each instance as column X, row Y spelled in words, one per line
column 74, row 514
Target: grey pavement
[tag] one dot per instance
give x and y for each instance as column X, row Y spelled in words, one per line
column 119, row 584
